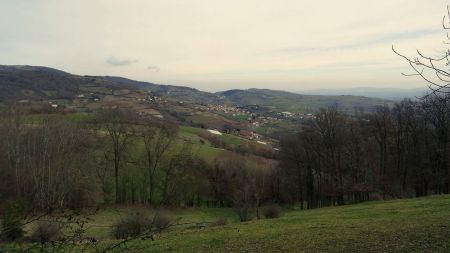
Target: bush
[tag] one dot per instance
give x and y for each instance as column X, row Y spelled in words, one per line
column 221, row 221
column 162, row 221
column 136, row 224
column 11, row 227
column 131, row 225
column 46, row 231
column 244, row 213
column 272, row 211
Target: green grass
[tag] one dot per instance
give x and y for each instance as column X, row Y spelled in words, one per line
column 413, row 225
column 192, row 133
column 99, row 227
column 203, row 150
column 410, row 225
column 232, row 139
column 75, row 117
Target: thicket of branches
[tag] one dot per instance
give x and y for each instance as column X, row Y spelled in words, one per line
column 433, row 69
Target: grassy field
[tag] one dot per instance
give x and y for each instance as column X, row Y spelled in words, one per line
column 410, row 225
column 205, row 150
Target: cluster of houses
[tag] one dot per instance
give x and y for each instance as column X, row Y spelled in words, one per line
column 227, row 109
column 254, row 115
column 90, row 97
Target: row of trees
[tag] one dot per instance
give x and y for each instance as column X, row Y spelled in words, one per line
column 398, row 151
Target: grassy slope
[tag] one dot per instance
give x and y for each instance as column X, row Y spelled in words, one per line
column 206, row 151
column 227, row 138
column 413, row 225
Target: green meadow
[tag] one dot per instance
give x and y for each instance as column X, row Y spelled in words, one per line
column 409, row 225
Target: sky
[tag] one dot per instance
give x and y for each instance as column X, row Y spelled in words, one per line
column 215, row 45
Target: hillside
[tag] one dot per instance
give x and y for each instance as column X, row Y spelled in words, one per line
column 414, row 225
column 18, row 82
column 41, row 83
column 410, row 225
column 180, row 93
column 32, row 82
column 287, row 101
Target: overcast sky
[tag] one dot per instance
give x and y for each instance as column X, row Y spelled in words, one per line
column 216, row 45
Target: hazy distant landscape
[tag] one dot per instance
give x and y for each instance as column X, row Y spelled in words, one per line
column 384, row 93
column 255, row 126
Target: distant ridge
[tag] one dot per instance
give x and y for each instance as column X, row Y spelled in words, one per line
column 42, row 83
column 293, row 102
column 384, row 93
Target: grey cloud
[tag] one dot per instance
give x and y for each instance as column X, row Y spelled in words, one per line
column 120, row 62
column 386, row 38
column 153, row 68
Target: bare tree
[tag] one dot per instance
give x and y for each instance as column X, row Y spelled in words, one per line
column 157, row 141
column 117, row 124
column 433, row 69
column 12, row 131
column 294, row 161
column 437, row 114
column 174, row 172
column 331, row 128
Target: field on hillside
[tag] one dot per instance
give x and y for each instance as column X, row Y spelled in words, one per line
column 410, row 225
column 186, row 135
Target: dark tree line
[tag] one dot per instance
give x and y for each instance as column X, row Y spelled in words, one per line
column 395, row 152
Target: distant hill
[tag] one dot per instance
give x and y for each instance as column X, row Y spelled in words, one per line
column 384, row 93
column 42, row 83
column 36, row 83
column 180, row 93
column 32, row 82
column 287, row 101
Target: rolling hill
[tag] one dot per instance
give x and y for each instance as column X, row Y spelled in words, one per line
column 41, row 83
column 31, row 82
column 384, row 93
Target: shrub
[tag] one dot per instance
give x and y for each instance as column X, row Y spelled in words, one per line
column 46, row 231
column 221, row 221
column 272, row 211
column 131, row 225
column 244, row 213
column 136, row 224
column 162, row 221
column 11, row 227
